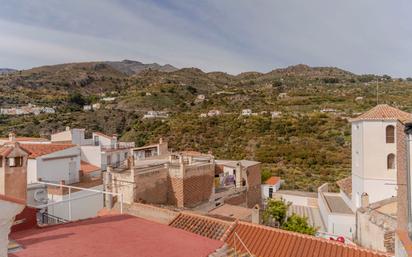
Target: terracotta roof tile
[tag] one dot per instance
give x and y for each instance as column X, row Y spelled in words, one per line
column 384, row 112
column 26, row 139
column 5, row 150
column 345, row 185
column 272, row 180
column 88, row 167
column 265, row 241
column 36, row 150
column 201, row 225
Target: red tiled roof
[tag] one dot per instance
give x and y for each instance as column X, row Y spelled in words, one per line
column 201, row 225
column 384, row 112
column 25, row 139
column 88, row 167
column 345, row 185
column 5, row 150
column 272, row 180
column 265, row 241
column 36, row 150
column 114, row 235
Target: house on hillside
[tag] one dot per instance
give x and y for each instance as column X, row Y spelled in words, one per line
column 212, row 113
column 156, row 115
column 270, row 186
column 246, row 112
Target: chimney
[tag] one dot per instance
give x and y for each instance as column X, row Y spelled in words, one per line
column 256, row 214
column 364, row 200
column 12, row 137
column 67, row 128
column 238, row 174
column 161, row 140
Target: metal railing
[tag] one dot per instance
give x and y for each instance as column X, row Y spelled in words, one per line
column 49, row 219
column 70, row 198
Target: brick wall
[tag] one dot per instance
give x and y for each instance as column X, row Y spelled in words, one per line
column 389, row 241
column 175, row 191
column 254, row 185
column 197, row 189
column 402, row 216
column 237, row 199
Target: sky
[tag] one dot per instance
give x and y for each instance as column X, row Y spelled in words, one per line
column 362, row 36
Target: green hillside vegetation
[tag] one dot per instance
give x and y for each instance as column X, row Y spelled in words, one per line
column 304, row 146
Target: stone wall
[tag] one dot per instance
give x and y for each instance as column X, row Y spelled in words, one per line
column 402, row 215
column 152, row 187
column 197, row 189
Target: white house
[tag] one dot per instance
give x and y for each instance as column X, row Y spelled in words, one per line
column 270, row 186
column 213, row 113
column 53, row 162
column 246, row 112
column 101, row 150
column 275, row 114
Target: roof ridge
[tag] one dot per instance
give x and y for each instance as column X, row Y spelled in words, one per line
column 204, row 217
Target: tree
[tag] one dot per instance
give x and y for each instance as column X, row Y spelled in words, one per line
column 298, row 224
column 275, row 212
column 265, row 175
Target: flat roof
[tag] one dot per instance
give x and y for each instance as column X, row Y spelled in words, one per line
column 109, row 236
column 233, row 211
column 336, row 204
column 297, row 193
column 233, row 163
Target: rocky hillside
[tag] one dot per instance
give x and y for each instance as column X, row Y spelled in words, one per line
column 308, row 144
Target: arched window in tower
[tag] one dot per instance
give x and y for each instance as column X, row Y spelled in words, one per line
column 391, row 161
column 390, row 134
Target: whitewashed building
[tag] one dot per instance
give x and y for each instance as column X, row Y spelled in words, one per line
column 270, row 186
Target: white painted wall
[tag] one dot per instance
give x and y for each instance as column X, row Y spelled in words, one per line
column 83, row 208
column 338, row 224
column 265, row 189
column 7, row 214
column 57, row 166
column 369, row 161
column 91, row 154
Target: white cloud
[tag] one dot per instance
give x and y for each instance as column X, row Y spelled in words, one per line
column 231, row 35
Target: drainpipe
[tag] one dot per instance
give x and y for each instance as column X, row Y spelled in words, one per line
column 408, row 132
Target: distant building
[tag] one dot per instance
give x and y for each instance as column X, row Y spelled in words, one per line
column 270, row 186
column 282, row 95
column 96, row 106
column 213, row 113
column 331, row 110
column 109, row 99
column 359, row 98
column 246, row 112
column 203, row 115
column 87, row 108
column 275, row 114
column 156, row 115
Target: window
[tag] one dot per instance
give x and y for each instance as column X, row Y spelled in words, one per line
column 15, row 161
column 391, row 161
column 390, row 134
